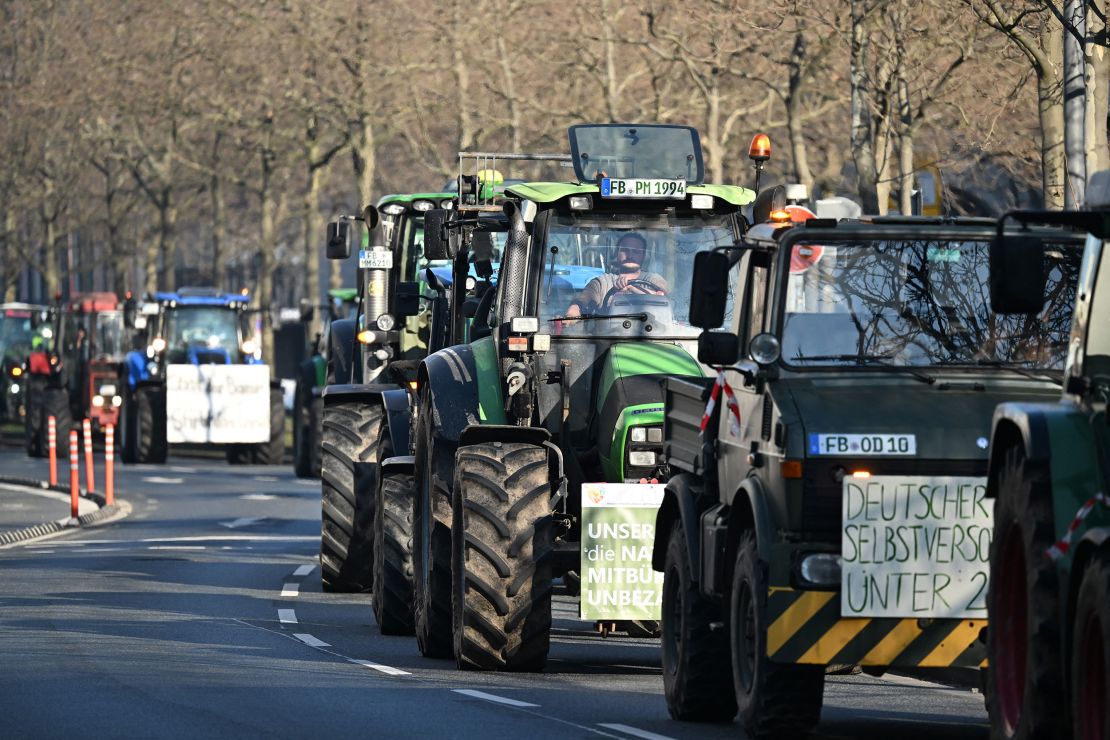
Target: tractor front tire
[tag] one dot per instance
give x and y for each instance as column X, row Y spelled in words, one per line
column 55, row 402
column 1090, row 652
column 774, row 700
column 431, row 551
column 697, row 675
column 393, row 572
column 501, row 557
column 272, row 451
column 1024, row 684
column 347, row 501
column 150, row 425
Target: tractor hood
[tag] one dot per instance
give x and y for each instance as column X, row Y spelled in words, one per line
column 947, row 420
column 629, row 393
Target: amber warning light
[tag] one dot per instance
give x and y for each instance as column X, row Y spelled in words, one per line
column 760, row 149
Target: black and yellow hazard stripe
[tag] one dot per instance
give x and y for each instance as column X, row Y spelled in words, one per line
column 806, row 627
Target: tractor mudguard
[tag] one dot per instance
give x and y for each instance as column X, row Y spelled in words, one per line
column 749, row 511
column 397, row 418
column 356, row 392
column 136, row 365
column 405, row 464
column 1018, row 421
column 465, row 384
column 341, row 340
column 679, row 501
column 481, row 433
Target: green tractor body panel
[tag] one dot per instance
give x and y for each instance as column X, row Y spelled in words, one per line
column 346, row 295
column 491, row 403
column 640, row 415
column 628, row 359
column 320, row 368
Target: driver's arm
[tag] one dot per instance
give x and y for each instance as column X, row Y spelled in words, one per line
column 587, row 297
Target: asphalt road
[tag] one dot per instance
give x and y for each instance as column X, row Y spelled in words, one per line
column 201, row 615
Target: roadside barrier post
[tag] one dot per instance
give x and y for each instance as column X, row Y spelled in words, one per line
column 74, row 473
column 90, row 476
column 109, row 465
column 52, row 445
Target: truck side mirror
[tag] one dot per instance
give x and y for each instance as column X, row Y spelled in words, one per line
column 718, row 347
column 1017, row 280
column 435, row 236
column 339, row 240
column 709, row 289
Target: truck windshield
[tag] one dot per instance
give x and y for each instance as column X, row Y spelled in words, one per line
column 625, row 274
column 202, row 327
column 109, row 334
column 918, row 303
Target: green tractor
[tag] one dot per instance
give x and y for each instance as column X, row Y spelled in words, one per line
column 371, row 361
column 1049, row 600
column 308, row 404
column 538, row 441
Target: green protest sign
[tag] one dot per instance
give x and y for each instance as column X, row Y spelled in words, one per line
column 618, row 532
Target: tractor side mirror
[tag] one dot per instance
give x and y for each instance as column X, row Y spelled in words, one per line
column 130, row 313
column 769, row 199
column 308, row 311
column 435, row 235
column 709, row 289
column 1017, row 280
column 718, row 347
column 339, row 240
column 435, row 283
column 407, row 299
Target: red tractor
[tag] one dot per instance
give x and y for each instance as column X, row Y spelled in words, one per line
column 75, row 373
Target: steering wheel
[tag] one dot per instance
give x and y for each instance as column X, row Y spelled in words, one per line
column 646, row 285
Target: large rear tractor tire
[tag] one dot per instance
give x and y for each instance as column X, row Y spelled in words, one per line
column 150, row 417
column 347, row 497
column 1090, row 653
column 501, row 557
column 697, row 674
column 774, row 700
column 301, row 433
column 33, row 418
column 272, row 451
column 55, row 402
column 393, row 572
column 1024, row 693
column 431, row 551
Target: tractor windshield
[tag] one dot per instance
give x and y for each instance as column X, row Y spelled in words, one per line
column 15, row 334
column 201, row 329
column 108, row 340
column 918, row 303
column 625, row 274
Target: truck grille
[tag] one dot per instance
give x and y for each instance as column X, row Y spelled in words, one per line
column 821, row 498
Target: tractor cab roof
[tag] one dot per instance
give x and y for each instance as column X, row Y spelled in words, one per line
column 641, row 151
column 94, row 302
column 202, row 297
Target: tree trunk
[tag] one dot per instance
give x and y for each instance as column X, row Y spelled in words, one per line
column 1074, row 105
column 713, row 131
column 795, row 126
column 509, row 89
column 1097, row 79
column 612, row 86
column 168, row 241
column 313, row 235
column 459, row 61
column 264, row 291
column 364, row 156
column 1050, row 110
column 860, row 137
column 11, row 257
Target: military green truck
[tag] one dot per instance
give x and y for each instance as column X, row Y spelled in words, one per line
column 371, row 360
column 827, row 500
column 537, row 440
column 1049, row 595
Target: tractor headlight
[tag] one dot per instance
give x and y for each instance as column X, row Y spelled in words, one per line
column 580, row 203
column 117, row 401
column 701, row 202
column 641, row 458
column 17, row 371
column 423, row 205
column 107, row 390
column 15, row 388
column 249, row 347
column 639, row 434
column 393, row 209
column 385, row 322
column 158, row 344
column 448, row 204
column 97, row 401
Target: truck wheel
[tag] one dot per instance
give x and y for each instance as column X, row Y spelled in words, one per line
column 1026, row 674
column 33, row 418
column 697, row 675
column 774, row 700
column 301, row 434
column 150, row 416
column 431, row 557
column 500, row 558
column 392, row 599
column 272, row 451
column 55, row 402
column 347, row 504
column 1090, row 653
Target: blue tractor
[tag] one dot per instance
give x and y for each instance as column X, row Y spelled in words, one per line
column 196, row 377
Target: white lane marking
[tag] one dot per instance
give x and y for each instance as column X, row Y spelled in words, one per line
column 387, row 670
column 634, row 732
column 289, row 589
column 310, row 640
column 212, row 538
column 84, row 506
column 243, row 521
column 304, row 570
column 162, row 480
column 44, row 552
column 494, row 698
column 258, row 497
column 96, row 549
column 287, row 616
column 180, row 469
column 173, row 547
column 266, row 479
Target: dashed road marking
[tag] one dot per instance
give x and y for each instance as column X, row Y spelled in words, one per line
column 304, row 570
column 287, row 616
column 494, row 698
column 258, row 497
column 266, row 479
column 162, row 480
column 633, row 731
column 290, row 589
column 175, row 547
column 310, row 640
column 388, row 670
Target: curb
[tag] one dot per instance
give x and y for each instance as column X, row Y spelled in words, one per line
column 103, row 515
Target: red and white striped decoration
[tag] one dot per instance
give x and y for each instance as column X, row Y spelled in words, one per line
column 1060, row 549
column 730, row 401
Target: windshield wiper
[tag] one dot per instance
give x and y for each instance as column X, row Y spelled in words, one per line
column 1023, row 371
column 590, row 316
column 878, row 361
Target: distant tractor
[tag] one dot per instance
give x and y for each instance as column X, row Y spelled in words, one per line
column 18, row 335
column 1049, row 601
column 200, row 379
column 75, row 373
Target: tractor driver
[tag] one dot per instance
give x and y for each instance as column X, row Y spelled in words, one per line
column 626, row 275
